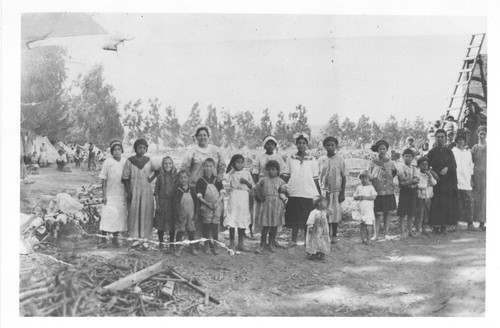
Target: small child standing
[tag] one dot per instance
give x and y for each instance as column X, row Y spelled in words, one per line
column 270, row 193
column 427, row 180
column 318, row 234
column 382, row 172
column 408, row 181
column 164, row 197
column 185, row 202
column 332, row 180
column 210, row 193
column 365, row 194
column 238, row 211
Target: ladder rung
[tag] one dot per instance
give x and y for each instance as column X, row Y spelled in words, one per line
column 471, row 47
column 470, row 58
column 458, row 96
column 456, row 108
column 479, row 34
column 468, row 70
column 462, row 83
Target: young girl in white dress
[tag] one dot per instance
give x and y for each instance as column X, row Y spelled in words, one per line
column 238, row 212
column 318, row 232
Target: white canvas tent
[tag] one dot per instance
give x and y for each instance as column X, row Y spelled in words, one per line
column 52, row 153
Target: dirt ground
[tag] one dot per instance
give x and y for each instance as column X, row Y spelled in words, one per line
column 437, row 275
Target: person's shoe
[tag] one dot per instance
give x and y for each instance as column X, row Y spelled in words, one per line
column 207, row 248
column 278, row 245
column 115, row 242
column 435, row 230
column 216, row 248
column 232, row 244
column 334, row 240
column 291, row 244
column 272, row 249
column 161, row 246
column 443, row 230
column 242, row 247
column 470, row 227
column 193, row 249
column 320, row 256
column 312, row 257
column 260, row 249
column 177, row 252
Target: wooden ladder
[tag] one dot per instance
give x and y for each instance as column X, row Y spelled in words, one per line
column 461, row 89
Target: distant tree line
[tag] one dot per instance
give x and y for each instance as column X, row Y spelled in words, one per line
column 87, row 111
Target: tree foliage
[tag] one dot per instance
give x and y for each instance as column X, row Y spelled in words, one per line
column 194, row 119
column 44, row 105
column 95, row 110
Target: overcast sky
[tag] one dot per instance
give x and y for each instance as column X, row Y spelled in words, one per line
column 350, row 65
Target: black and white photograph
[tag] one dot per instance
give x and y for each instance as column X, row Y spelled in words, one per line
column 217, row 163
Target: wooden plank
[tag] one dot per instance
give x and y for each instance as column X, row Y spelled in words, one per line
column 197, row 289
column 139, row 276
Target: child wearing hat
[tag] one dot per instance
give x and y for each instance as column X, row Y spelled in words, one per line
column 382, row 172
column 332, row 180
column 408, row 181
column 318, row 236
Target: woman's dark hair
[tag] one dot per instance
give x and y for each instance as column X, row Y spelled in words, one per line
column 202, row 128
column 139, row 142
column 272, row 164
column 460, row 136
column 422, row 159
column 209, row 160
column 233, row 161
column 440, row 131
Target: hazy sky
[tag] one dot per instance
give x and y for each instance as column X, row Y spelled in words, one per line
column 350, row 65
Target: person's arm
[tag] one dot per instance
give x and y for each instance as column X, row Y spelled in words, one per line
column 201, row 188
column 287, row 171
column 315, row 174
column 126, row 180
column 343, row 174
column 222, row 191
column 256, row 170
column 157, row 194
column 104, row 185
column 177, row 203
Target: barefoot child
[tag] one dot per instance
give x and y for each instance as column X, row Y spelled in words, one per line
column 164, row 197
column 210, row 193
column 365, row 194
column 382, row 172
column 332, row 180
column 318, row 235
column 427, row 179
column 270, row 193
column 238, row 211
column 185, row 203
column 408, row 181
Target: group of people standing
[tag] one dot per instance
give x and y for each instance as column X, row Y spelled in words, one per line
column 301, row 193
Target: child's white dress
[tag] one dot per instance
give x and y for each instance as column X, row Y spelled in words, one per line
column 238, row 211
column 318, row 240
column 365, row 212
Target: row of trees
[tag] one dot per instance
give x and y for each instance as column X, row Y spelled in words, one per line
column 87, row 111
column 84, row 111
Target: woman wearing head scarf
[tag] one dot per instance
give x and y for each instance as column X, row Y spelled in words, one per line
column 301, row 173
column 444, row 206
column 193, row 161
column 137, row 177
column 114, row 211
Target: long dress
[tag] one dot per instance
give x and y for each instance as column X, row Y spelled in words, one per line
column 114, row 213
column 140, row 213
column 318, row 240
column 479, row 189
column 270, row 209
column 444, row 207
column 164, row 190
column 238, row 209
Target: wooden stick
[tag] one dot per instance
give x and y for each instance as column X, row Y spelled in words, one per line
column 139, row 276
column 197, row 289
column 33, row 292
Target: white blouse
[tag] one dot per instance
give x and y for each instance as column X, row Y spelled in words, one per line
column 302, row 175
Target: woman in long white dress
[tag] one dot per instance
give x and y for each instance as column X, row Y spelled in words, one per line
column 114, row 212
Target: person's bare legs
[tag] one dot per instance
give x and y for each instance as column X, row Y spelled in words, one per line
column 409, row 225
column 376, row 226
column 386, row 223
column 368, row 230
column 401, row 227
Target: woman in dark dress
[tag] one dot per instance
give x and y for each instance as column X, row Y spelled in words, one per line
column 444, row 207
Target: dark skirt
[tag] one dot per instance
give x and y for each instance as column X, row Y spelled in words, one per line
column 297, row 212
column 444, row 206
column 407, row 202
column 465, row 205
column 385, row 203
column 164, row 217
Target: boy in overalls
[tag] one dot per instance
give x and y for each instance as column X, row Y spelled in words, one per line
column 210, row 193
